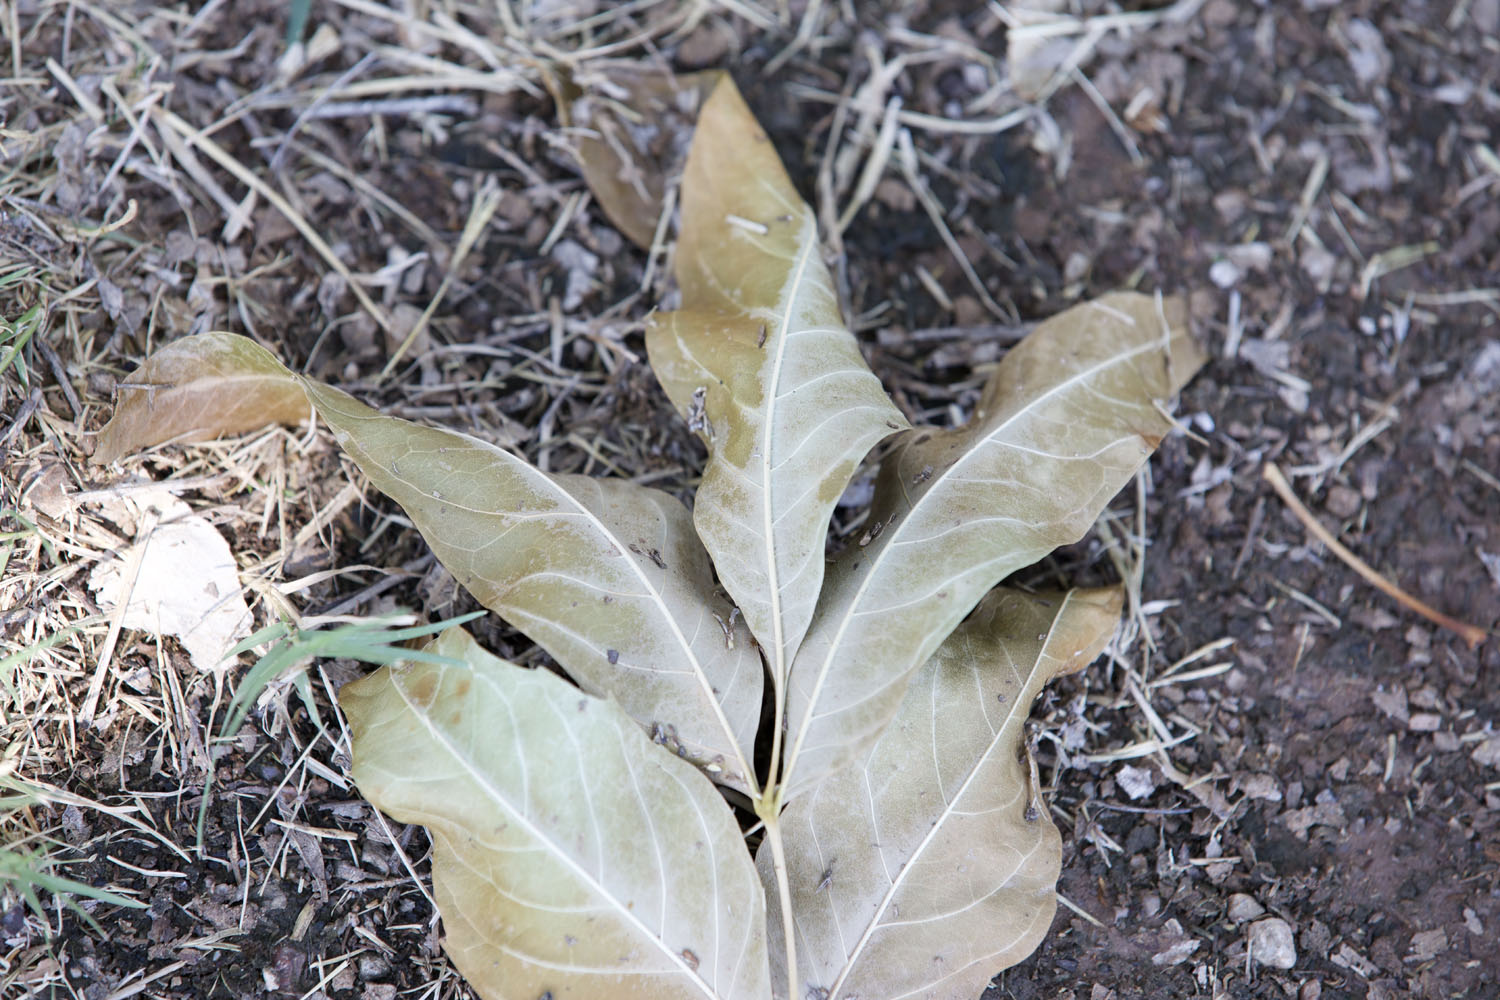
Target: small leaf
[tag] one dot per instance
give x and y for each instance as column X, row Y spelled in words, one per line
column 1068, row 417
column 931, row 864
column 631, row 129
column 196, row 389
column 760, row 350
column 570, row 855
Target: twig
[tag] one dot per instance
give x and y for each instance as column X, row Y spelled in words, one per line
column 929, row 203
column 486, row 202
column 1472, row 634
column 198, row 138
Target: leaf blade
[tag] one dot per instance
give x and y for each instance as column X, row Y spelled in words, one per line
column 652, row 634
column 1068, row 417
column 628, row 157
column 537, row 893
column 198, row 388
column 760, row 346
column 603, row 574
column 928, row 866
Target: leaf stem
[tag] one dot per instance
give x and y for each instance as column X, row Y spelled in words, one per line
column 769, row 810
column 778, row 724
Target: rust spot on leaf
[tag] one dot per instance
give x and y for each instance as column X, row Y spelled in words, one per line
column 423, row 688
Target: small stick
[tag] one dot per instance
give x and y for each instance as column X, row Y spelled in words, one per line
column 1472, row 634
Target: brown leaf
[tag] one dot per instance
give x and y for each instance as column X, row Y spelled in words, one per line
column 199, row 388
column 605, row 575
column 631, row 129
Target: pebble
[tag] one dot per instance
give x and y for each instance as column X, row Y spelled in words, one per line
column 1243, row 908
column 1271, row 943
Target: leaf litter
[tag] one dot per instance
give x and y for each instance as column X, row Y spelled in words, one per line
column 178, row 578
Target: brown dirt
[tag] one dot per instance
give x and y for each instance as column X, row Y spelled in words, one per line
column 1336, row 775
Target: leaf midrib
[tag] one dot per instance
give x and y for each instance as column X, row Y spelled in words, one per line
column 792, row 291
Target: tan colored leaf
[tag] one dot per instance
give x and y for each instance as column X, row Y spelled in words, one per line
column 632, row 128
column 605, row 575
column 570, row 855
column 760, row 349
column 931, row 864
column 1068, row 417
column 179, row 578
column 198, row 388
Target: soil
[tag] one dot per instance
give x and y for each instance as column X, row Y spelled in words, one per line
column 1319, row 179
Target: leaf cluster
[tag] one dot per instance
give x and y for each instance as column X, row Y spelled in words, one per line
column 867, row 709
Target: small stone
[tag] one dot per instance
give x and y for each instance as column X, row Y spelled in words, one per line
column 1488, row 752
column 343, row 979
column 1392, row 703
column 1472, row 922
column 1271, row 943
column 1343, row 501
column 706, row 45
column 967, row 311
column 1231, row 205
column 1261, row 786
column 1425, row 722
column 1243, row 908
column 1224, row 273
column 1427, row 945
column 1136, row 782
column 373, row 966
column 1180, row 948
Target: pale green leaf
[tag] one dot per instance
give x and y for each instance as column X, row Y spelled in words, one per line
column 198, row 388
column 570, row 855
column 605, row 575
column 1068, row 417
column 760, row 353
column 929, row 865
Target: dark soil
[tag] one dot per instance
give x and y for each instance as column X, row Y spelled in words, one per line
column 1340, row 777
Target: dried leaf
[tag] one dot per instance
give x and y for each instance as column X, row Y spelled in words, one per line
column 569, row 854
column 179, row 578
column 632, row 131
column 790, row 406
column 189, row 392
column 605, row 575
column 1068, row 417
column 930, row 865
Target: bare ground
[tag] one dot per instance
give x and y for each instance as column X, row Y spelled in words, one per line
column 1319, row 178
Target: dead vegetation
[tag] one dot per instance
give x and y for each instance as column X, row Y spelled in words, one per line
column 391, row 203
